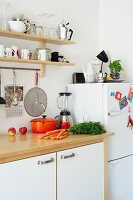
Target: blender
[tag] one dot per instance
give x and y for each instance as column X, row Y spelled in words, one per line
column 64, row 103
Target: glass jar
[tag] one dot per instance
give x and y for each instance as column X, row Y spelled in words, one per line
column 48, row 54
column 32, row 29
column 45, row 31
column 38, row 30
column 53, row 33
column 4, row 16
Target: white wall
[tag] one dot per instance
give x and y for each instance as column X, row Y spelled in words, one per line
column 84, row 20
column 116, row 32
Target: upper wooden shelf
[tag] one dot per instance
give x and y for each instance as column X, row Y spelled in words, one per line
column 26, row 36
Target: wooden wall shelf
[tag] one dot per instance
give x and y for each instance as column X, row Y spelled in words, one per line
column 42, row 40
column 25, row 36
column 4, row 59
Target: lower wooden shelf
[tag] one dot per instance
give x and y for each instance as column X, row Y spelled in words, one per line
column 40, row 62
column 5, row 59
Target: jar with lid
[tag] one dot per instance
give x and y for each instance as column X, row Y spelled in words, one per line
column 48, row 54
column 38, row 30
column 45, row 31
column 33, row 28
column 4, row 16
column 53, row 33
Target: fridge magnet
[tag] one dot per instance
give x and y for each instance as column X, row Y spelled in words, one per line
column 130, row 95
column 129, row 109
column 112, row 94
column 130, row 122
column 123, row 103
column 118, row 95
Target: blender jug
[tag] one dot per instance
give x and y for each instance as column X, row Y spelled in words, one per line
column 64, row 100
column 64, row 103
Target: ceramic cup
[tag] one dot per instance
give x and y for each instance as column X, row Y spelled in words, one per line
column 41, row 54
column 14, row 51
column 2, row 50
column 25, row 54
column 8, row 52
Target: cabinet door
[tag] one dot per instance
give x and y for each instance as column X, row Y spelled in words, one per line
column 29, row 179
column 80, row 173
column 120, row 185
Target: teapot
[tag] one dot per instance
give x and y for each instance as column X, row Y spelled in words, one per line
column 89, row 72
column 63, row 31
column 18, row 26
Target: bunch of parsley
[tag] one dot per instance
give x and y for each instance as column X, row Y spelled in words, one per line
column 92, row 128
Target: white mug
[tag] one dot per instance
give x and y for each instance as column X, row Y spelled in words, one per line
column 2, row 50
column 25, row 54
column 41, row 54
column 8, row 52
column 14, row 51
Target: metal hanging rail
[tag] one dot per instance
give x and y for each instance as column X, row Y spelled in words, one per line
column 19, row 68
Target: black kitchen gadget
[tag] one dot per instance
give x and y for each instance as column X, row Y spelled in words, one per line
column 78, row 78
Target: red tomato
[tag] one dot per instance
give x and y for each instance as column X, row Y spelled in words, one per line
column 12, row 131
column 23, row 130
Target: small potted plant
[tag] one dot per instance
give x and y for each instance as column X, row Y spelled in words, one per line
column 115, row 68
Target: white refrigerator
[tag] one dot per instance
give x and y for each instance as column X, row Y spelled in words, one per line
column 112, row 105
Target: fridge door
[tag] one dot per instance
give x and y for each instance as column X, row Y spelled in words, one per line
column 120, row 181
column 86, row 102
column 116, row 119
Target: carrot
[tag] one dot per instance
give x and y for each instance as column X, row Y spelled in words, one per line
column 52, row 132
column 54, row 138
column 53, row 135
column 61, row 132
column 46, row 138
column 63, row 136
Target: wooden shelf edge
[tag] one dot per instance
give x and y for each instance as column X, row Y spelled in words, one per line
column 5, row 59
column 26, row 36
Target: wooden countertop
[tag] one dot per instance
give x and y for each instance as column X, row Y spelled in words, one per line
column 24, row 146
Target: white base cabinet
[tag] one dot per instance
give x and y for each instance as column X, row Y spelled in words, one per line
column 74, row 174
column 29, row 179
column 80, row 173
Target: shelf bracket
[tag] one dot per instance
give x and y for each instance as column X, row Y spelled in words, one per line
column 41, row 73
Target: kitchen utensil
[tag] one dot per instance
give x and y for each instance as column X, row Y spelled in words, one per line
column 63, row 31
column 45, row 31
column 64, row 119
column 8, row 52
column 89, row 72
column 35, row 101
column 32, row 28
column 54, row 56
column 53, row 33
column 15, row 100
column 42, row 125
column 14, row 51
column 2, row 50
column 18, row 17
column 38, row 30
column 41, row 54
column 4, row 16
column 25, row 54
column 18, row 26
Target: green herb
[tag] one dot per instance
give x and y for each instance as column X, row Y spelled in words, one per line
column 92, row 128
column 115, row 66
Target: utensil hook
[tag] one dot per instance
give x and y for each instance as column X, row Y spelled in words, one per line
column 14, row 81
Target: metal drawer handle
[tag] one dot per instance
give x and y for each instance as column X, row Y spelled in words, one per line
column 68, row 156
column 45, row 162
